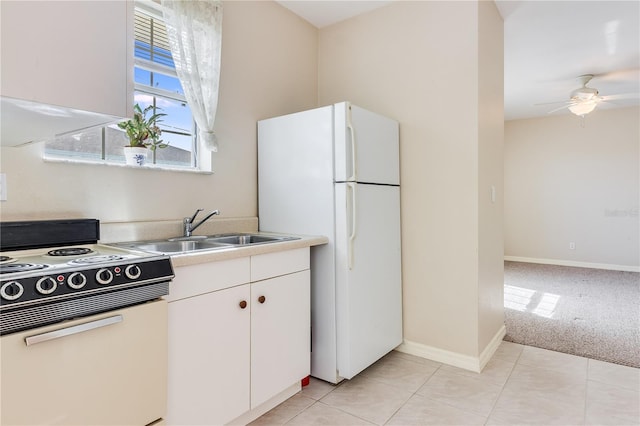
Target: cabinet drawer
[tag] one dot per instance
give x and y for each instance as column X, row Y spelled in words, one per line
column 203, row 278
column 269, row 265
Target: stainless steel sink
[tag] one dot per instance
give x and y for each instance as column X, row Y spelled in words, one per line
column 204, row 243
column 248, row 239
column 177, row 246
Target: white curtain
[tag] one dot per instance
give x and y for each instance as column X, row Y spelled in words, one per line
column 195, row 36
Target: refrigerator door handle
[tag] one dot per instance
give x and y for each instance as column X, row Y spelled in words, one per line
column 351, row 203
column 352, row 133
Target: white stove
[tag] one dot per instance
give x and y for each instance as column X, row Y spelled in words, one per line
column 40, row 286
column 61, row 258
column 83, row 327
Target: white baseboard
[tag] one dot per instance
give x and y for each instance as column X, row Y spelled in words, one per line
column 492, row 347
column 608, row 266
column 471, row 363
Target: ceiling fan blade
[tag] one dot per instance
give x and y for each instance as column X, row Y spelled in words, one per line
column 558, row 109
column 610, row 103
column 607, row 104
column 553, row 103
column 621, row 96
column 630, row 74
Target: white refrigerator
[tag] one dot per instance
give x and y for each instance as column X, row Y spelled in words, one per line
column 334, row 171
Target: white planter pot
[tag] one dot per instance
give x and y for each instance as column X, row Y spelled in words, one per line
column 135, row 156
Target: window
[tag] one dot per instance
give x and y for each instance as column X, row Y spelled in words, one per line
column 156, row 84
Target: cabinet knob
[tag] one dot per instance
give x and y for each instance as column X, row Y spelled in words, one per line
column 262, row 299
column 243, row 304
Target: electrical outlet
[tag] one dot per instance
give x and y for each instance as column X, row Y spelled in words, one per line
column 572, row 246
column 3, row 187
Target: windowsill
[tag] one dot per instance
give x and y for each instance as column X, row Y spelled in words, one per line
column 120, row 165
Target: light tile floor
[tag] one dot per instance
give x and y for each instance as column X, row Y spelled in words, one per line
column 520, row 385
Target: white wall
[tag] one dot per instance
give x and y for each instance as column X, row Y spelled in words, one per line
column 567, row 183
column 261, row 41
column 490, row 173
column 418, row 62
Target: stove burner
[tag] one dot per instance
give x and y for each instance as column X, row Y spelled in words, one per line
column 5, row 259
column 70, row 251
column 96, row 259
column 20, row 267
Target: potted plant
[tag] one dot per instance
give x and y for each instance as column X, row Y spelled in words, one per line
column 143, row 133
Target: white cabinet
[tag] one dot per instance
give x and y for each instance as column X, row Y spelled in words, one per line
column 208, row 343
column 239, row 335
column 67, row 53
column 73, row 56
column 208, row 357
column 280, row 334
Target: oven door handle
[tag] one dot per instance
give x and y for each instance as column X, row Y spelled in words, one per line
column 80, row 328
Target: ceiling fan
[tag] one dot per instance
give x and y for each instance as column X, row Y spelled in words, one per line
column 584, row 100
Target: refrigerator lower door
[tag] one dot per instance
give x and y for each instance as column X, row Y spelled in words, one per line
column 368, row 274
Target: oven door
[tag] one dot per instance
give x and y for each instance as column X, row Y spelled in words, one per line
column 106, row 369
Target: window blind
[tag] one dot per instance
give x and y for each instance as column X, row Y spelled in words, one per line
column 151, row 41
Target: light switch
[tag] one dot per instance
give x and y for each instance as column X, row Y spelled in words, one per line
column 3, row 187
column 493, row 194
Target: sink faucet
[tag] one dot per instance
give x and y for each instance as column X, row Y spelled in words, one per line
column 189, row 227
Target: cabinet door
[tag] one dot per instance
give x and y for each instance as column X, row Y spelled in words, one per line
column 209, row 357
column 75, row 54
column 113, row 374
column 280, row 334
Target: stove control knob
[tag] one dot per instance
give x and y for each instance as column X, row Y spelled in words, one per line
column 46, row 285
column 132, row 272
column 76, row 280
column 104, row 276
column 11, row 290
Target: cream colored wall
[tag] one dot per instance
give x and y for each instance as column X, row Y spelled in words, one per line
column 415, row 61
column 490, row 174
column 418, row 63
column 269, row 68
column 567, row 183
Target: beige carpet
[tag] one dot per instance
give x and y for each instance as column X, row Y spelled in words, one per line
column 587, row 312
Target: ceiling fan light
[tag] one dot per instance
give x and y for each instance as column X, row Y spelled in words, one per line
column 583, row 108
column 584, row 94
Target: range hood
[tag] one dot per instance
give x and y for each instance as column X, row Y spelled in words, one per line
column 23, row 122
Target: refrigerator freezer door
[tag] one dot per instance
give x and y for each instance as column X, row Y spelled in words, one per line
column 369, row 290
column 295, row 173
column 366, row 146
